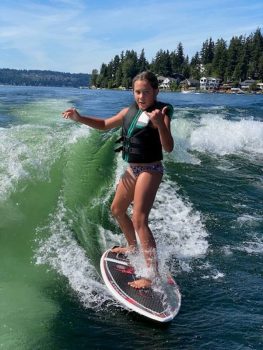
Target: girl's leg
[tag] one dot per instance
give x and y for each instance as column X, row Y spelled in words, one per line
column 144, row 194
column 122, row 199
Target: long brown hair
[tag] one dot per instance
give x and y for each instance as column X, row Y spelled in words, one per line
column 149, row 76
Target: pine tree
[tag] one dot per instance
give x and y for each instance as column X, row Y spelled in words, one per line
column 94, row 77
column 241, row 69
column 103, row 76
column 207, row 52
column 195, row 66
column 161, row 64
column 180, row 54
column 233, row 54
column 256, row 50
column 129, row 68
column 219, row 59
column 143, row 65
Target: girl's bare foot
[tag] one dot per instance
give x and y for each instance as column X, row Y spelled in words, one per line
column 141, row 283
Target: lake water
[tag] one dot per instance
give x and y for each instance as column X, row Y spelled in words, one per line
column 57, row 179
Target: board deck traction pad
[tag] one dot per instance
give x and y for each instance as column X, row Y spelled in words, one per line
column 117, row 272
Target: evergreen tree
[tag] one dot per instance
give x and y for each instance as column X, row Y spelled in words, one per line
column 177, row 59
column 115, row 66
column 195, row 67
column 103, row 76
column 175, row 66
column 241, row 69
column 143, row 65
column 129, row 68
column 161, row 64
column 185, row 68
column 256, row 50
column 219, row 59
column 207, row 52
column 260, row 68
column 233, row 54
column 118, row 77
column 180, row 54
column 94, row 77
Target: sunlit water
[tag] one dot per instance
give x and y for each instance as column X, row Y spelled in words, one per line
column 57, row 180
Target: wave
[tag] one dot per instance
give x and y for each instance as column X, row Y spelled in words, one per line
column 196, row 133
column 31, row 146
column 220, row 136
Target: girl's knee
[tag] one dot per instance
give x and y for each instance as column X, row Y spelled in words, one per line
column 139, row 222
column 116, row 210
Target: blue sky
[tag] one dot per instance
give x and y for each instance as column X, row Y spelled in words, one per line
column 79, row 35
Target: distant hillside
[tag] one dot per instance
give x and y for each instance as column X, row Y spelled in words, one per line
column 42, row 78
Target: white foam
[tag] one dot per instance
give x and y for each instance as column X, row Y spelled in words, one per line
column 178, row 228
column 221, row 136
column 28, row 151
column 215, row 275
column 11, row 158
column 78, row 133
column 252, row 246
column 181, row 130
column 62, row 252
column 249, row 220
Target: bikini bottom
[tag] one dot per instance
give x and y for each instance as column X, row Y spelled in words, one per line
column 149, row 168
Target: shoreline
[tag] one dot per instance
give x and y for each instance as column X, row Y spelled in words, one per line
column 186, row 92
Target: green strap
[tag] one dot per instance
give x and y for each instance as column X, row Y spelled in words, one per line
column 134, row 122
column 131, row 128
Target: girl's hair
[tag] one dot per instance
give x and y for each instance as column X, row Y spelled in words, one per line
column 147, row 75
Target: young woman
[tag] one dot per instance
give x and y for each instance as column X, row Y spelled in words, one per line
column 145, row 133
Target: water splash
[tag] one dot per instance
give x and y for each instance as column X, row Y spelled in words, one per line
column 178, row 228
column 62, row 252
column 221, row 136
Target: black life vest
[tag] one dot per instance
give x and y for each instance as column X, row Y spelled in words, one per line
column 141, row 143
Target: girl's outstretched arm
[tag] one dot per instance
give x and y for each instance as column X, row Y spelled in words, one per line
column 94, row 122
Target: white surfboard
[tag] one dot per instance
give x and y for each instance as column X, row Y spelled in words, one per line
column 160, row 304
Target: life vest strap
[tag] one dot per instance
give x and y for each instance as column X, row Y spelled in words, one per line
column 120, row 139
column 118, row 149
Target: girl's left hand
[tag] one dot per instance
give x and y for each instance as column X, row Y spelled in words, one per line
column 157, row 116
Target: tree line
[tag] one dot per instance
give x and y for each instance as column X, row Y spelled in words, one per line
column 239, row 60
column 42, row 78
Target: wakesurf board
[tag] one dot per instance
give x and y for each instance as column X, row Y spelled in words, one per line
column 160, row 303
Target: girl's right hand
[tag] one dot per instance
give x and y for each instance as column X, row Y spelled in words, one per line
column 71, row 113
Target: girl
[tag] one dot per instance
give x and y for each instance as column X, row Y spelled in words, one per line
column 145, row 132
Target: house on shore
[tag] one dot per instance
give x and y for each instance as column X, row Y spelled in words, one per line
column 166, row 84
column 160, row 79
column 190, row 84
column 246, row 84
column 209, row 83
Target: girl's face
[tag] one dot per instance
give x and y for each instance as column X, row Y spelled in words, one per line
column 144, row 94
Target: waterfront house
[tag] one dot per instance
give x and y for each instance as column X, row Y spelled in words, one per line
column 209, row 83
column 190, row 84
column 160, row 79
column 245, row 85
column 167, row 83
